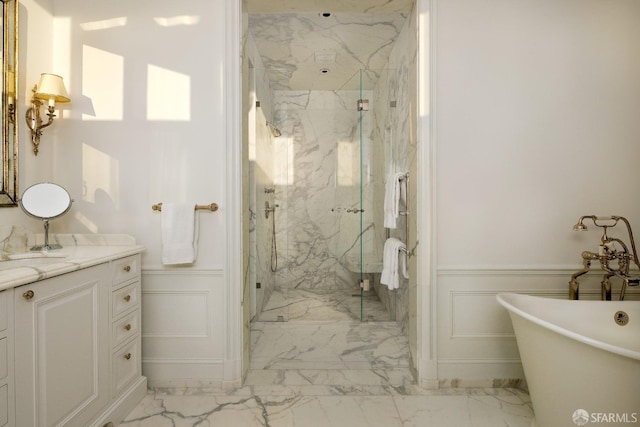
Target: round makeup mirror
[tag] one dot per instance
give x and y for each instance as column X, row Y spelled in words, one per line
column 45, row 201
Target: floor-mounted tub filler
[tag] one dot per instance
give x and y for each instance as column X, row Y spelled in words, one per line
column 581, row 359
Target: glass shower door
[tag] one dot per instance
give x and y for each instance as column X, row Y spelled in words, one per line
column 359, row 240
column 377, row 302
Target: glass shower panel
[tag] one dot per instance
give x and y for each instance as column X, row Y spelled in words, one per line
column 346, row 244
column 377, row 91
column 268, row 186
column 359, row 234
column 325, row 193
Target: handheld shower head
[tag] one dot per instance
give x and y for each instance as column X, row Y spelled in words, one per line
column 274, row 130
column 580, row 226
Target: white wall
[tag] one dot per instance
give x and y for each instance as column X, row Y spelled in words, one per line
column 536, row 124
column 147, row 124
column 537, row 105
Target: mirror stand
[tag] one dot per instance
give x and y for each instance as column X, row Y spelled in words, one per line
column 46, row 245
column 45, row 201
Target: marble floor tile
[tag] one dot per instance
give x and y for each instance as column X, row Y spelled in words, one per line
column 330, row 382
column 310, row 305
column 328, row 345
column 487, row 410
column 464, row 408
column 331, row 374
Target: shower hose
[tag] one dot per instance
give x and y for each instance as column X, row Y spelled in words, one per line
column 274, row 246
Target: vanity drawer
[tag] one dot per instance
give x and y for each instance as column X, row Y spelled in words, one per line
column 125, row 269
column 4, row 310
column 126, row 366
column 125, row 299
column 4, row 358
column 4, row 405
column 125, row 328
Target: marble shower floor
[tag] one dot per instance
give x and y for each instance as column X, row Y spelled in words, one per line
column 330, row 374
column 307, row 305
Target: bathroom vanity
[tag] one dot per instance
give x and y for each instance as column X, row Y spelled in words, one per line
column 70, row 337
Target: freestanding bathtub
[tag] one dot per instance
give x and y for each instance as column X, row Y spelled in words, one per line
column 581, row 364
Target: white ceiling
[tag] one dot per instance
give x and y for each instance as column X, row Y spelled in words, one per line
column 295, row 41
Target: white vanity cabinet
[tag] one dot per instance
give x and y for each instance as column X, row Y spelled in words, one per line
column 6, row 359
column 77, row 346
column 62, row 355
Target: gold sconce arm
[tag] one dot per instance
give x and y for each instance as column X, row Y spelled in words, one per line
column 49, row 88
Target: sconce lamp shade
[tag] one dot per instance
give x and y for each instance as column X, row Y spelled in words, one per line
column 50, row 87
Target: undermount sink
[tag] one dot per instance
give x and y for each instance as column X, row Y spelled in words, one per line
column 31, row 260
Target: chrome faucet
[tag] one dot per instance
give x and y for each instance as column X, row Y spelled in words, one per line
column 613, row 254
column 269, row 209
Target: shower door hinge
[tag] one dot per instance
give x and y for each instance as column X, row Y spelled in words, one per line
column 363, row 105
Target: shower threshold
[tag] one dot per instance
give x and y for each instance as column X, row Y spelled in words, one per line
column 286, row 305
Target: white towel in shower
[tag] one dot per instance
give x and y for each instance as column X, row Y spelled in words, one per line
column 394, row 262
column 394, row 191
column 179, row 233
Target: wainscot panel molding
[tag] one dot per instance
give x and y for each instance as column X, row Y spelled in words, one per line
column 184, row 327
column 476, row 342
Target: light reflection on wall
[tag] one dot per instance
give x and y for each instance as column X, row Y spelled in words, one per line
column 345, row 168
column 103, row 83
column 104, row 24
column 174, row 21
column 283, row 152
column 168, row 95
column 100, row 178
column 82, row 219
column 423, row 68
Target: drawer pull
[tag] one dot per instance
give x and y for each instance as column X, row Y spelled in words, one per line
column 127, row 268
column 28, row 295
column 127, row 327
column 127, row 356
column 127, row 298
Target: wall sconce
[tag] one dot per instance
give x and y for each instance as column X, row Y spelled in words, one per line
column 50, row 88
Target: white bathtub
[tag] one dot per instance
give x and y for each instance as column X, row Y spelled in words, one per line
column 576, row 357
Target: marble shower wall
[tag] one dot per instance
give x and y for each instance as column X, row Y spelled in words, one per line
column 261, row 169
column 318, row 182
column 392, row 133
column 295, row 46
column 317, row 160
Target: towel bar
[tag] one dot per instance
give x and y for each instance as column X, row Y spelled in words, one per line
column 212, row 207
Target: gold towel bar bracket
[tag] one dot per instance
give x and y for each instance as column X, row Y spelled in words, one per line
column 212, row 207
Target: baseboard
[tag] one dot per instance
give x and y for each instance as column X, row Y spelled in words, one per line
column 125, row 403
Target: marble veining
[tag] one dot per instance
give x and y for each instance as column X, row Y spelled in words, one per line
column 289, row 44
column 311, row 305
column 461, row 408
column 330, row 374
column 19, row 265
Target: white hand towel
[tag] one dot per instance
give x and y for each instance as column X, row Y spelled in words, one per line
column 179, row 233
column 393, row 192
column 390, row 265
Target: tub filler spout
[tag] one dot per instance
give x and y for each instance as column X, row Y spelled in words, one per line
column 614, row 254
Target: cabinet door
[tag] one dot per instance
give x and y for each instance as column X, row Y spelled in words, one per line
column 61, row 326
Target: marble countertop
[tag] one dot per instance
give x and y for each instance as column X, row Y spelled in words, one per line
column 79, row 251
